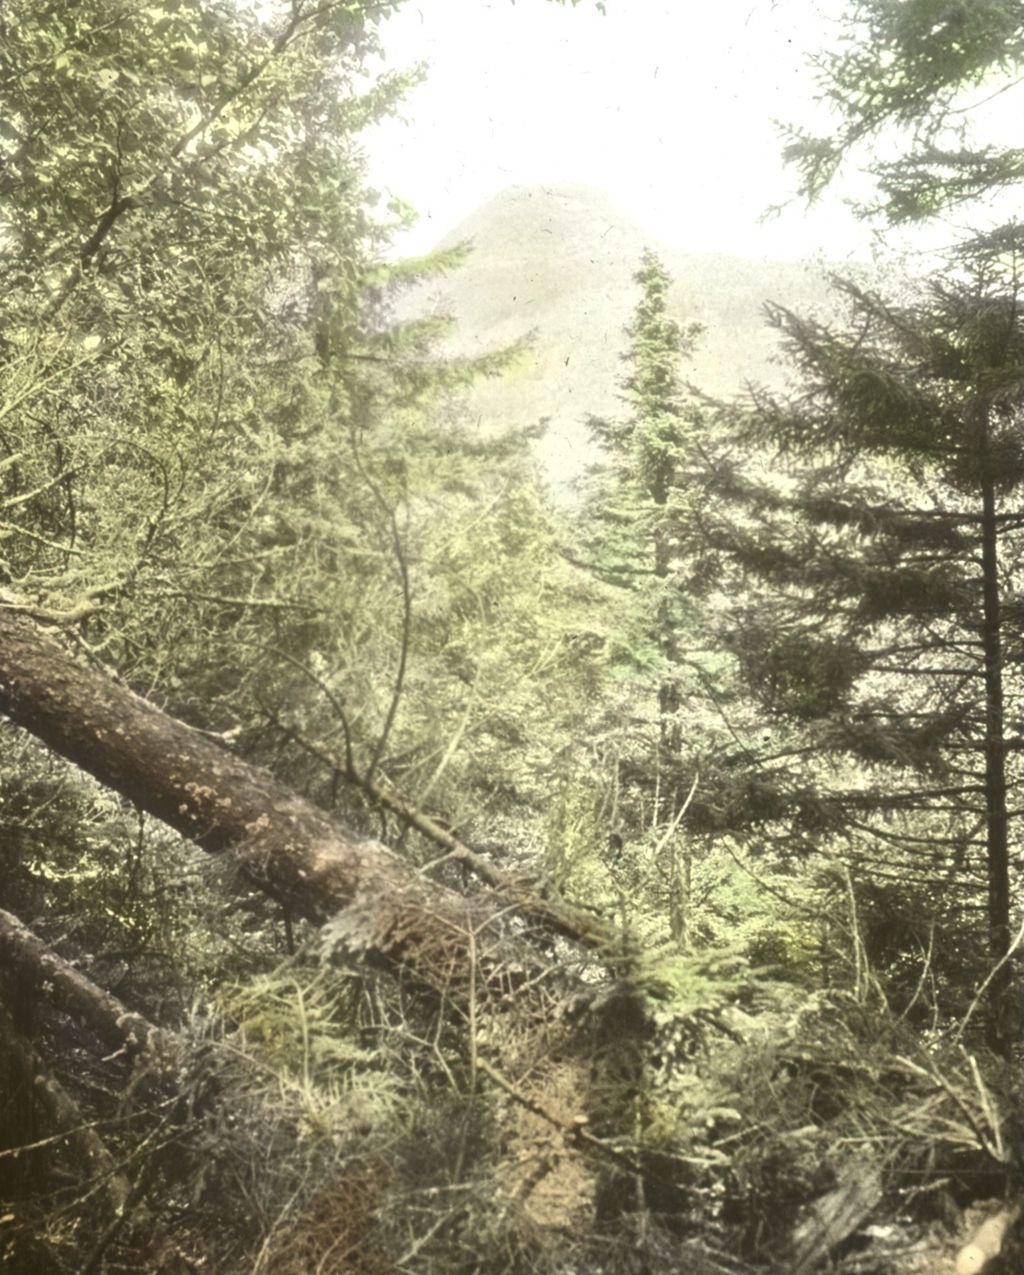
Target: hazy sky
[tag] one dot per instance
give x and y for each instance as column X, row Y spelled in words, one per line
column 668, row 105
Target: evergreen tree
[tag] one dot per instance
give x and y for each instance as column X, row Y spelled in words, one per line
column 690, row 761
column 664, row 738
column 635, row 501
column 177, row 184
column 883, row 538
column 903, row 80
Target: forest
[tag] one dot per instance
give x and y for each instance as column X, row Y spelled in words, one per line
column 402, row 871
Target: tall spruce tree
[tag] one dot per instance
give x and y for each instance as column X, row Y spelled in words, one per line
column 875, row 510
column 693, row 761
column 638, row 487
column 638, row 496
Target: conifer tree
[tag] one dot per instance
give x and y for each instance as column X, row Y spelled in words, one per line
column 883, row 541
column 638, row 494
column 635, row 498
column 905, row 81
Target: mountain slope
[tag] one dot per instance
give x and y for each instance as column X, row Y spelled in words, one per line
column 558, row 261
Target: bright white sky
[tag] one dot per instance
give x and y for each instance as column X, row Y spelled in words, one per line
column 668, row 105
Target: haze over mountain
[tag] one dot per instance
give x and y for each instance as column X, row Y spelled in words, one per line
column 558, row 261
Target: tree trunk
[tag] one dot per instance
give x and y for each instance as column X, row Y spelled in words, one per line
column 24, row 956
column 997, row 834
column 280, row 842
column 467, row 950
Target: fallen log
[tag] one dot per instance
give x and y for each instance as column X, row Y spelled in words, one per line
column 833, row 1217
column 27, row 957
column 279, row 841
column 470, row 951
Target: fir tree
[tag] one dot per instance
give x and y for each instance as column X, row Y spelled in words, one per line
column 637, row 490
column 905, row 81
column 637, row 496
column 883, row 543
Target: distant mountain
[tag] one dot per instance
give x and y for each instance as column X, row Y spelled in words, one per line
column 558, row 261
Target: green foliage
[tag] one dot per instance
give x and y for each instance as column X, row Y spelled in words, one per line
column 159, row 314
column 303, row 1025
column 639, row 490
column 675, row 743
column 240, row 438
column 236, row 470
column 647, row 451
column 914, row 69
column 870, row 518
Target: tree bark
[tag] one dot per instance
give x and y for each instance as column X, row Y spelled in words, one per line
column 227, row 806
column 24, row 955
column 997, row 826
column 471, row 951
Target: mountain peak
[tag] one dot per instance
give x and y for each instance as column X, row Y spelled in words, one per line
column 558, row 259
column 581, row 220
